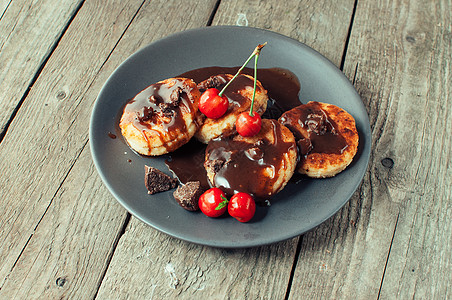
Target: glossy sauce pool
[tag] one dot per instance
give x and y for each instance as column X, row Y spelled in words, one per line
column 283, row 87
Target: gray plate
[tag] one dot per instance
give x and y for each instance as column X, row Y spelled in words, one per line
column 298, row 208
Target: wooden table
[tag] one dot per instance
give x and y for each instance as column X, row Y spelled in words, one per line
column 63, row 235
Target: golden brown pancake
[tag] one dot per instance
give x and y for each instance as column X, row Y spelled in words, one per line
column 326, row 136
column 260, row 165
column 239, row 94
column 161, row 118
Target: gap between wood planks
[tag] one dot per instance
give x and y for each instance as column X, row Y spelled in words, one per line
column 128, row 215
column 33, row 81
column 41, row 67
column 349, row 33
column 21, row 101
column 387, row 258
column 341, row 67
column 47, row 208
column 6, row 8
column 344, row 54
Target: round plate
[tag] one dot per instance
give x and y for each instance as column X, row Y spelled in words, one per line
column 298, row 208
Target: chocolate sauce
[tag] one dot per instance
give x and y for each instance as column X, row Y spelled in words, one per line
column 240, row 166
column 187, row 163
column 314, row 130
column 234, row 97
column 111, row 135
column 282, row 85
column 160, row 104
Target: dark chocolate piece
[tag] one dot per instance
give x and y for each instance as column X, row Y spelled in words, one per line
column 187, row 195
column 216, row 81
column 214, row 165
column 156, row 181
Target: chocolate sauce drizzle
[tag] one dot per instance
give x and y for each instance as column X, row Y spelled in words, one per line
column 240, row 166
column 314, row 130
column 282, row 85
column 161, row 104
column 187, row 162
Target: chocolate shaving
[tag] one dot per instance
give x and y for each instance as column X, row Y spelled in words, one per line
column 175, row 96
column 216, row 81
column 167, row 109
column 145, row 114
column 214, row 165
column 317, row 123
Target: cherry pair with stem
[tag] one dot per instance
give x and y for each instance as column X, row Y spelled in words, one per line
column 213, row 203
column 214, row 104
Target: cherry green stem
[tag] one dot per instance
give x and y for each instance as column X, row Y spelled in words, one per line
column 255, row 81
column 223, row 203
column 255, row 52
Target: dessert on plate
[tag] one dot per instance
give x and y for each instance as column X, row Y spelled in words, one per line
column 326, row 136
column 162, row 117
column 239, row 94
column 260, row 165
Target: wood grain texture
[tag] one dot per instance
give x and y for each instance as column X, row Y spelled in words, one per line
column 29, row 31
column 401, row 68
column 149, row 264
column 63, row 236
column 70, row 248
column 69, row 84
column 417, row 137
column 322, row 25
column 3, row 7
column 51, row 128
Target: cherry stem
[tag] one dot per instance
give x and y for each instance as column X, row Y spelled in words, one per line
column 255, row 82
column 256, row 51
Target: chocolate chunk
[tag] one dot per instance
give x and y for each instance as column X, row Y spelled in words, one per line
column 175, row 96
column 156, row 181
column 167, row 109
column 145, row 114
column 216, row 81
column 214, row 165
column 304, row 146
column 317, row 122
column 187, row 195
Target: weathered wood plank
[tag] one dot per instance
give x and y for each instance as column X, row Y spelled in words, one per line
column 70, row 249
column 399, row 56
column 150, row 264
column 3, row 6
column 69, row 84
column 50, row 130
column 322, row 25
column 29, row 32
column 418, row 140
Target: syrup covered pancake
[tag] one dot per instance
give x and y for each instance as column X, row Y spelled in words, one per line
column 326, row 136
column 162, row 117
column 239, row 94
column 260, row 165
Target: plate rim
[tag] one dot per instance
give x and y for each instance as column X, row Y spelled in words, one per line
column 365, row 151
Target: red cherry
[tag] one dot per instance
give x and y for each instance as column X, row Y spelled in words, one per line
column 247, row 125
column 242, row 207
column 213, row 202
column 212, row 104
